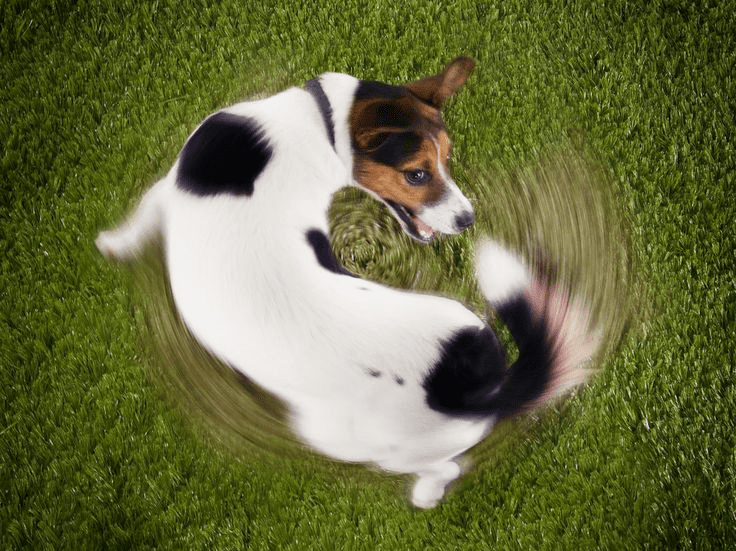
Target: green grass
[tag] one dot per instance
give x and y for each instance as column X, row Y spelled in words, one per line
column 631, row 106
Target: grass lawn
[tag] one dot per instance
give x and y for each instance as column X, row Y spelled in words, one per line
column 603, row 133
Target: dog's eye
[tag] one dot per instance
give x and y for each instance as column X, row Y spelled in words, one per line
column 417, row 177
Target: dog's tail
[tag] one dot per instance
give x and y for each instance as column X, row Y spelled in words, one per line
column 552, row 331
column 128, row 240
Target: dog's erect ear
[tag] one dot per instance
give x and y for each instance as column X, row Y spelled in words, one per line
column 436, row 89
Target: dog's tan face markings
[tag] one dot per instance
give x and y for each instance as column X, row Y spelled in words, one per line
column 401, row 145
column 408, row 173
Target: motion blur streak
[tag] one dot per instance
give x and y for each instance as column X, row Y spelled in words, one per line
column 560, row 213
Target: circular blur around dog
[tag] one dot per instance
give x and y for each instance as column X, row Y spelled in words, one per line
column 559, row 213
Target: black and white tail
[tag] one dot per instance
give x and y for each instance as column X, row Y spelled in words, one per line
column 552, row 331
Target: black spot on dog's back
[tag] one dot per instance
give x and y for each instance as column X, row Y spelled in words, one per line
column 224, row 155
column 323, row 251
column 471, row 366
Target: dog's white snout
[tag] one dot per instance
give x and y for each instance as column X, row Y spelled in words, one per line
column 450, row 215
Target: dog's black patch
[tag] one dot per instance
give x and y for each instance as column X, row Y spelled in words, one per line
column 472, row 365
column 399, row 380
column 370, row 89
column 373, row 372
column 224, row 155
column 323, row 251
column 389, row 115
column 396, row 148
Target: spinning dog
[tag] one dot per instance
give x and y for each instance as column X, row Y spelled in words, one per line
column 370, row 374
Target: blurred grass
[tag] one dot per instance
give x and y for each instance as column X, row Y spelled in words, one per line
column 97, row 98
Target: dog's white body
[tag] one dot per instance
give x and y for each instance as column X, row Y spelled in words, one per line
column 348, row 356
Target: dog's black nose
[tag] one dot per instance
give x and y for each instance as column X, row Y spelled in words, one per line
column 464, row 220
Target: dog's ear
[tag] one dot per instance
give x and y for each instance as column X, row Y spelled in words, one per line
column 368, row 139
column 436, row 89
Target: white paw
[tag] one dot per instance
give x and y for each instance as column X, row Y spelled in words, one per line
column 426, row 495
column 115, row 245
column 105, row 244
column 430, row 486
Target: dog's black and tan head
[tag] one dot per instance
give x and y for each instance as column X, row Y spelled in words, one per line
column 402, row 151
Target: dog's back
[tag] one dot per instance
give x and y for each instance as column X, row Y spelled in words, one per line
column 370, row 373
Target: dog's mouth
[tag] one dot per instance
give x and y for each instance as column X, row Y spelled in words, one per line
column 414, row 226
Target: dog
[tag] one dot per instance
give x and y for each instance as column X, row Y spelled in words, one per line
column 370, row 374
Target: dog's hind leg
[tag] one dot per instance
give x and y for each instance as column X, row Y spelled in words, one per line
column 430, row 484
column 128, row 240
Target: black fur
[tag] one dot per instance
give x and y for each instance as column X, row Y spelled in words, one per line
column 472, row 375
column 369, row 89
column 387, row 114
column 323, row 251
column 396, row 148
column 517, row 315
column 528, row 377
column 225, row 155
column 472, row 363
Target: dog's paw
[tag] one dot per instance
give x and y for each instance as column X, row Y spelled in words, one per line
column 105, row 244
column 430, row 486
column 427, row 495
column 113, row 246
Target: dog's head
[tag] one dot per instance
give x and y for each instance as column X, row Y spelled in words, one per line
column 402, row 151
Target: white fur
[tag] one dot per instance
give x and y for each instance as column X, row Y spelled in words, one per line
column 501, row 276
column 441, row 216
column 250, row 290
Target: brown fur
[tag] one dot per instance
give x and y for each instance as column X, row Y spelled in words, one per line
column 436, row 89
column 389, row 183
column 418, row 111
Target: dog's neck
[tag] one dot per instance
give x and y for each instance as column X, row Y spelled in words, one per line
column 334, row 94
